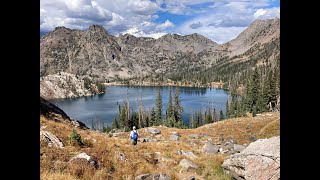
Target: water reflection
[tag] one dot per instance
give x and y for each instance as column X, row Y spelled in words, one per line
column 104, row 106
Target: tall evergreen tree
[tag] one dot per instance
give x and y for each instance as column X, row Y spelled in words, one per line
column 228, row 110
column 254, row 92
column 169, row 112
column 221, row 115
column 208, row 116
column 115, row 124
column 177, row 108
column 159, row 108
column 214, row 115
column 134, row 120
column 153, row 117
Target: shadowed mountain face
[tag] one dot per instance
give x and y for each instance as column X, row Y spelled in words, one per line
column 49, row 110
column 97, row 54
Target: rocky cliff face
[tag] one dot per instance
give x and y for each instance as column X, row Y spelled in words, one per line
column 65, row 85
column 97, row 54
column 52, row 112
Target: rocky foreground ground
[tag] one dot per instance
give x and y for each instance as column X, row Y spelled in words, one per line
column 242, row 148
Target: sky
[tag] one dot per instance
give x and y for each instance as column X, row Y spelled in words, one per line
column 218, row 20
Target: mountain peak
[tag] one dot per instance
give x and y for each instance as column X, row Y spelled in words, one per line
column 97, row 28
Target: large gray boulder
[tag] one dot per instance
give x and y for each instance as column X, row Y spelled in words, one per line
column 51, row 139
column 85, row 157
column 238, row 147
column 153, row 131
column 260, row 160
column 187, row 164
column 209, row 148
column 152, row 177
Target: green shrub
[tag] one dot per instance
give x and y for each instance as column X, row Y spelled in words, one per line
column 75, row 139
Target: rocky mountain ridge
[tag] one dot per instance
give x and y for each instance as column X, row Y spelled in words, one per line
column 97, row 54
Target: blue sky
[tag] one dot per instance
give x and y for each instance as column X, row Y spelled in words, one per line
column 219, row 20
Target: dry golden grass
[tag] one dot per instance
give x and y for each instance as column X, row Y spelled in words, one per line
column 139, row 158
column 269, row 130
column 56, row 176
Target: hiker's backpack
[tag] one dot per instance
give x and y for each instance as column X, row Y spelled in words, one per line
column 135, row 135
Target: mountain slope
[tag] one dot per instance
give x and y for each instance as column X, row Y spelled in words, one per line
column 103, row 57
column 96, row 53
column 259, row 32
column 113, row 157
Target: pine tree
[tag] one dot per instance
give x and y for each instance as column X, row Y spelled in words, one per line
column 214, row 115
column 159, row 108
column 177, row 108
column 120, row 118
column 254, row 93
column 115, row 124
column 169, row 112
column 221, row 115
column 207, row 116
column 153, row 117
column 227, row 110
column 134, row 120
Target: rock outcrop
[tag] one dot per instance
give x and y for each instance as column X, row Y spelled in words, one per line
column 65, row 85
column 209, row 148
column 153, row 131
column 187, row 164
column 152, row 177
column 86, row 157
column 51, row 139
column 260, row 160
column 53, row 112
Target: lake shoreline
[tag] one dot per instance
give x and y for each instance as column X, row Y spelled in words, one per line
column 219, row 86
column 105, row 106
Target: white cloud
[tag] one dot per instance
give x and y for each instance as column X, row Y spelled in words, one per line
column 227, row 19
column 140, row 33
column 267, row 13
column 115, row 15
column 142, row 6
column 165, row 25
column 219, row 20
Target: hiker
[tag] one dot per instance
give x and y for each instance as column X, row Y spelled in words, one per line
column 134, row 135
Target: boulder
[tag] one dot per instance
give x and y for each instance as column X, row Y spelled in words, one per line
column 85, row 156
column 174, row 137
column 152, row 177
column 238, row 147
column 187, row 164
column 151, row 158
column 153, row 131
column 79, row 124
column 51, row 139
column 188, row 154
column 209, row 148
column 161, row 158
column 231, row 140
column 260, row 160
column 228, row 145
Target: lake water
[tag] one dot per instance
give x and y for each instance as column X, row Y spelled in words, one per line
column 104, row 106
